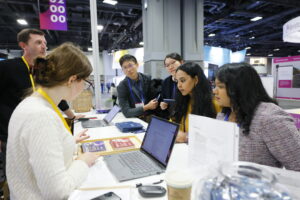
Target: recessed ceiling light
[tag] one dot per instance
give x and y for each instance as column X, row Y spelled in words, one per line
column 252, row 38
column 248, row 54
column 141, row 43
column 22, row 21
column 99, row 27
column 270, row 55
column 90, row 49
column 212, row 35
column 256, row 18
column 298, row 50
column 276, row 49
column 248, row 48
column 111, row 2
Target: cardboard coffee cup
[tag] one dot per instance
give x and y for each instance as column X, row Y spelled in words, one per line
column 179, row 185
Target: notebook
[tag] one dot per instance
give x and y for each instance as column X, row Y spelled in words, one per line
column 101, row 123
column 130, row 126
column 153, row 156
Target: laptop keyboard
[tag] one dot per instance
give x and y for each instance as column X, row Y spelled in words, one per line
column 137, row 162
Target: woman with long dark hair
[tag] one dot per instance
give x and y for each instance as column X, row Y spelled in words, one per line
column 268, row 134
column 194, row 96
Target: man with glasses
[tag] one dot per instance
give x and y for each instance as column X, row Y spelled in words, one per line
column 136, row 97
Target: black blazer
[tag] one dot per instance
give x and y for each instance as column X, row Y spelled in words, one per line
column 14, row 82
column 167, row 93
column 126, row 101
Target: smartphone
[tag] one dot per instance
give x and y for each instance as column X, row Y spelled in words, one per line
column 107, row 196
column 168, row 100
column 157, row 98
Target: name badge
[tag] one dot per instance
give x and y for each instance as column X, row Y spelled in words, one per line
column 137, row 105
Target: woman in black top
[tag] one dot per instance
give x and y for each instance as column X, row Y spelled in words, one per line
column 172, row 62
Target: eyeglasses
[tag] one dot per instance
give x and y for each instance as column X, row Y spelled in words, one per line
column 88, row 84
column 171, row 64
column 129, row 66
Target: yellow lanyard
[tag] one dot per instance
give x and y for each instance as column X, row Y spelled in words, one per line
column 30, row 75
column 46, row 96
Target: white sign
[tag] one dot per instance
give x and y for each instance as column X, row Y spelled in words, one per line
column 212, row 141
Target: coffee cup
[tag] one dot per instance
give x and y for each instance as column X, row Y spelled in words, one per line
column 179, row 185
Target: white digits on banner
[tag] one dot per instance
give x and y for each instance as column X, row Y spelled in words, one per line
column 62, row 19
column 61, row 9
column 61, row 1
column 53, row 8
column 53, row 1
column 53, row 18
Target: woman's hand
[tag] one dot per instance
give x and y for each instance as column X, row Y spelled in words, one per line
column 163, row 105
column 88, row 157
column 181, row 137
column 81, row 136
column 79, row 116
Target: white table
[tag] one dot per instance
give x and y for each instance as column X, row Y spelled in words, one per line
column 100, row 180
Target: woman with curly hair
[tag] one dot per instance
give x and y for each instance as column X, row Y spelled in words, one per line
column 268, row 134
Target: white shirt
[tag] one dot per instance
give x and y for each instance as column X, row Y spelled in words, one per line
column 40, row 151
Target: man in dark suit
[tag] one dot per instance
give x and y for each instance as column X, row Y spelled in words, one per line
column 136, row 97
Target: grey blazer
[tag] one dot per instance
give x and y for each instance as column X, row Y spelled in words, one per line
column 273, row 139
column 127, row 103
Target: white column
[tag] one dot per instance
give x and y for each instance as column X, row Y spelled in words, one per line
column 95, row 45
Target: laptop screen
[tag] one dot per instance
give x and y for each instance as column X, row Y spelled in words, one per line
column 159, row 139
column 112, row 113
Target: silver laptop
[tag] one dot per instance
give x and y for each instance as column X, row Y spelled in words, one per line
column 101, row 123
column 153, row 156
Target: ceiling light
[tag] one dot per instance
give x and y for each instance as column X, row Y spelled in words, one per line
column 100, row 27
column 237, row 36
column 90, row 49
column 298, row 50
column 211, row 35
column 252, row 38
column 248, row 54
column 276, row 49
column 256, row 18
column 270, row 55
column 22, row 21
column 248, row 48
column 141, row 43
column 111, row 2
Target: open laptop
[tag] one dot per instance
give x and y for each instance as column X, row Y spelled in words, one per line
column 153, row 156
column 101, row 123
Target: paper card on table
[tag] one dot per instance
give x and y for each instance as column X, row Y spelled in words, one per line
column 93, row 146
column 107, row 146
column 121, row 143
column 212, row 141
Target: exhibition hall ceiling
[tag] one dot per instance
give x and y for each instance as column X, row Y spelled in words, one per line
column 227, row 24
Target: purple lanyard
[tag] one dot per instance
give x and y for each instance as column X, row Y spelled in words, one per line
column 226, row 116
column 174, row 90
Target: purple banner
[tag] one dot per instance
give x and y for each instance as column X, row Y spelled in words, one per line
column 55, row 18
column 285, row 83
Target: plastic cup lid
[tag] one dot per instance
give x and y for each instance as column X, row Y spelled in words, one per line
column 179, row 179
